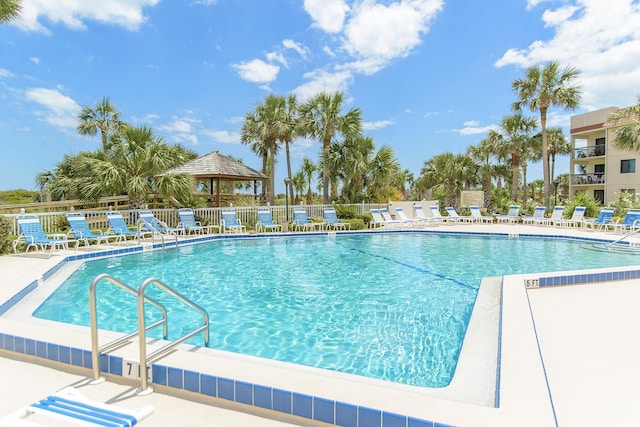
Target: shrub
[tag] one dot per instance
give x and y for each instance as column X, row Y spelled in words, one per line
column 346, row 212
column 356, row 223
column 582, row 199
column 5, row 235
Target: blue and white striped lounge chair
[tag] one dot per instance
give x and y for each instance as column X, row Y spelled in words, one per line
column 82, row 233
column 631, row 221
column 70, row 406
column 265, row 222
column 189, row 225
column 301, row 221
column 436, row 216
column 391, row 221
column 418, row 214
column 602, row 222
column 118, row 226
column 477, row 216
column 577, row 218
column 331, row 220
column 454, row 217
column 147, row 221
column 231, row 223
column 512, row 217
column 538, row 217
column 405, row 220
column 33, row 236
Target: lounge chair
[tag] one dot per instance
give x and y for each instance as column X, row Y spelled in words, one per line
column 70, row 406
column 631, row 221
column 603, row 220
column 82, row 233
column 537, row 218
column 454, row 217
column 391, row 221
column 148, row 222
column 512, row 217
column 418, row 214
column 265, row 222
column 556, row 216
column 376, row 219
column 436, row 216
column 302, row 223
column 189, row 225
column 331, row 221
column 405, row 220
column 577, row 218
column 477, row 216
column 32, row 234
column 231, row 223
column 118, row 227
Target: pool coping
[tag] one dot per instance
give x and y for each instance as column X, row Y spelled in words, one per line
column 348, row 413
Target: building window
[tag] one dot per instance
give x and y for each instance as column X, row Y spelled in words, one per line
column 628, row 166
column 599, row 195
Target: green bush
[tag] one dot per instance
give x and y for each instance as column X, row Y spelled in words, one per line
column 356, row 223
column 582, row 199
column 346, row 212
column 5, row 235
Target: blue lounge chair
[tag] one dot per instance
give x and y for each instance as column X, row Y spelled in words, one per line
column 538, row 216
column 603, row 220
column 231, row 223
column 265, row 222
column 188, row 223
column 512, row 217
column 69, row 406
column 631, row 221
column 82, row 233
column 32, row 234
column 302, row 222
column 147, row 221
column 477, row 216
column 118, row 227
column 331, row 220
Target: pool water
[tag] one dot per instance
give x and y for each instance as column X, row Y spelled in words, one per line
column 388, row 306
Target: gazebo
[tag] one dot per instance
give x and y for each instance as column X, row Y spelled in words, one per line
column 214, row 167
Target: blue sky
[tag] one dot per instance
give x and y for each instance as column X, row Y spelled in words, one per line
column 429, row 75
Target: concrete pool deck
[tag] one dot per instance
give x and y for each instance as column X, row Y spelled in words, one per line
column 569, row 357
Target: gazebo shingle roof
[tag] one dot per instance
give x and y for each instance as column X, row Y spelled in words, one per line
column 215, row 165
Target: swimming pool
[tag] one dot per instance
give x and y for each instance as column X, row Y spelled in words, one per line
column 387, row 306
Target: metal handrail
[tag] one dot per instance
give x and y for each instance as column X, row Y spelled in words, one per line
column 95, row 349
column 635, row 229
column 147, row 358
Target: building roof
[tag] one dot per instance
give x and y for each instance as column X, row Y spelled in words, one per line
column 215, row 165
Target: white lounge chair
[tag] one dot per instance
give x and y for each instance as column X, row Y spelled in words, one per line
column 454, row 217
column 512, row 217
column 577, row 218
column 477, row 216
column 405, row 220
column 379, row 221
column 418, row 213
column 436, row 216
column 537, row 218
column 389, row 220
column 70, row 406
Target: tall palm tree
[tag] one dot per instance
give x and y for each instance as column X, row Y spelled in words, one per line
column 541, row 88
column 321, row 118
column 104, row 118
column 516, row 131
column 308, row 169
column 299, row 182
column 627, row 137
column 289, row 130
column 10, row 10
column 448, row 173
column 530, row 151
column 558, row 144
column 488, row 166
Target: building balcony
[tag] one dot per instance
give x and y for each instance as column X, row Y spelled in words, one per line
column 587, row 179
column 592, row 151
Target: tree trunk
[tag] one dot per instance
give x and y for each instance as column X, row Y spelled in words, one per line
column 515, row 165
column 545, row 156
column 286, row 146
column 325, row 171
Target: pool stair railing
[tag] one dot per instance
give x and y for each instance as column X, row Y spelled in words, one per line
column 141, row 333
column 628, row 245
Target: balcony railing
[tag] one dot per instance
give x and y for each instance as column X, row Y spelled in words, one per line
column 592, row 151
column 587, row 179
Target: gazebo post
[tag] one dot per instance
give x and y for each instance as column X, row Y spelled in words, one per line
column 218, row 192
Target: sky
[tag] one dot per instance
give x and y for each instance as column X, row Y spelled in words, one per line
column 430, row 76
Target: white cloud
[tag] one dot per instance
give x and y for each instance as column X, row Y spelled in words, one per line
column 5, row 73
column 473, row 127
column 257, row 71
column 74, row 13
column 35, row 60
column 471, row 123
column 205, row 2
column 177, row 125
column 328, row 15
column 277, row 57
column 301, row 49
column 223, row 136
column 328, row 51
column 377, row 124
column 321, row 80
column 60, row 110
column 601, row 39
column 377, row 33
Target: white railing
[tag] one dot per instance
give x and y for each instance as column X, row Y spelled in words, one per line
column 55, row 222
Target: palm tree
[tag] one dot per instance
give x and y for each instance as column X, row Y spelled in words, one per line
column 516, row 131
column 541, row 88
column 10, row 10
column 627, row 137
column 298, row 181
column 488, row 166
column 104, row 118
column 530, row 152
column 558, row 144
column 289, row 131
column 448, row 173
column 308, row 169
column 322, row 119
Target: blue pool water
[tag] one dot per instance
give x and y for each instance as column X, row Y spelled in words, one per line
column 387, row 306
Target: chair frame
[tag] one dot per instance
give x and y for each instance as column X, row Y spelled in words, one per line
column 187, row 223
column 264, row 225
column 82, row 233
column 32, row 234
column 331, row 221
column 235, row 227
column 298, row 224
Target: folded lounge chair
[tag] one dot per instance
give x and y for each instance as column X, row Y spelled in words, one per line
column 537, row 218
column 477, row 216
column 189, row 225
column 118, row 226
column 265, row 222
column 331, row 220
column 32, row 234
column 231, row 223
column 302, row 223
column 70, row 406
column 82, row 233
column 512, row 217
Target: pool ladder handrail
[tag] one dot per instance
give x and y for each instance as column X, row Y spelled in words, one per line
column 95, row 349
column 635, row 229
column 148, row 358
column 143, row 229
